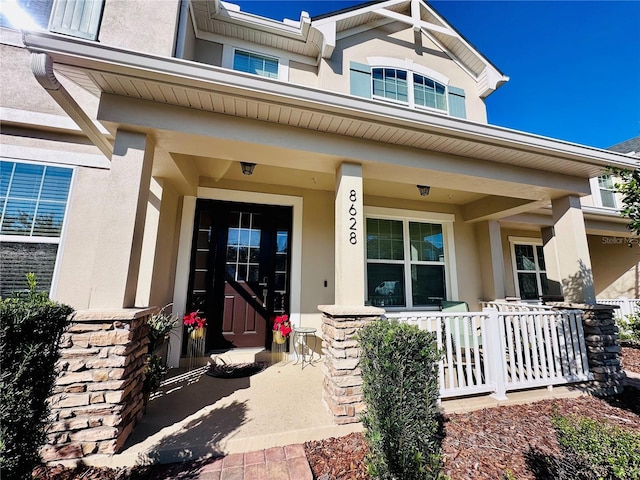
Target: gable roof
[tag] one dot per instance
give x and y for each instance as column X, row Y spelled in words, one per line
column 316, row 37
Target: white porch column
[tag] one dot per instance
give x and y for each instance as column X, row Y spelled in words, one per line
column 350, row 237
column 491, row 259
column 568, row 248
column 115, row 274
column 149, row 241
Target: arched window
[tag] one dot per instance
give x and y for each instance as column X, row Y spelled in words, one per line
column 409, row 88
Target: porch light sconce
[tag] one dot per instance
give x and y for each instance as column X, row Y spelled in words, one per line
column 424, row 190
column 247, row 168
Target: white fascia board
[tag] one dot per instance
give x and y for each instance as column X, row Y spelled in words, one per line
column 360, row 11
column 85, row 54
column 267, row 25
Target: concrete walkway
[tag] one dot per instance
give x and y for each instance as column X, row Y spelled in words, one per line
column 195, row 416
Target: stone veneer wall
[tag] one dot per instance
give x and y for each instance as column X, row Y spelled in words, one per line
column 98, row 395
column 342, row 384
column 603, row 348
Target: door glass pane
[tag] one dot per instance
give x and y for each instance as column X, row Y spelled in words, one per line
column 524, row 257
column 243, row 246
column 426, row 242
column 384, row 239
column 386, row 285
column 428, row 284
column 528, row 286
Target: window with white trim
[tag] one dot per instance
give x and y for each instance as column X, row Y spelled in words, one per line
column 529, row 270
column 256, row 64
column 33, row 202
column 607, row 191
column 408, row 88
column 406, row 263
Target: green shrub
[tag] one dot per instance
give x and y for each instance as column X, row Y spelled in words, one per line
column 630, row 328
column 31, row 326
column 400, row 389
column 161, row 324
column 599, row 449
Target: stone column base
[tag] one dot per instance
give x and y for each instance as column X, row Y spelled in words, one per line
column 603, row 348
column 98, row 396
column 342, row 392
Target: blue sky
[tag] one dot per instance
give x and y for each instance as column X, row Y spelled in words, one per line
column 574, row 65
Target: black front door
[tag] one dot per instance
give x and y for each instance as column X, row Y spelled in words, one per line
column 240, row 270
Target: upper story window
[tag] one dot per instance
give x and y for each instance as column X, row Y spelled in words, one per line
column 408, row 88
column 407, row 83
column 607, row 191
column 33, row 202
column 77, row 18
column 429, row 93
column 390, row 83
column 256, row 64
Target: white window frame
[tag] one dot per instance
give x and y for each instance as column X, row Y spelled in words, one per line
column 229, row 53
column 596, row 192
column 42, row 239
column 513, row 241
column 410, row 68
column 446, row 220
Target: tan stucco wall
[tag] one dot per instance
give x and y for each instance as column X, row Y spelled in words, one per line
column 18, row 87
column 616, row 267
column 397, row 41
column 80, row 237
column 302, row 74
column 121, row 23
column 208, row 52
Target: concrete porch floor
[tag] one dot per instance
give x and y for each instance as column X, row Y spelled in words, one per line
column 196, row 416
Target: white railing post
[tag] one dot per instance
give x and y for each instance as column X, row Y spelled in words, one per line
column 495, row 353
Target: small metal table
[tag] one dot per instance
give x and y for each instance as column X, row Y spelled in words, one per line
column 301, row 341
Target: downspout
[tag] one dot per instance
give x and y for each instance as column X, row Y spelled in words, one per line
column 42, row 68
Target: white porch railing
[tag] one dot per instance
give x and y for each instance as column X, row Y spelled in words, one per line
column 628, row 306
column 496, row 352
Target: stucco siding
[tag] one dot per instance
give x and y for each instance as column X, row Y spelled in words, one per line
column 121, row 22
column 616, row 267
column 18, row 87
column 81, row 235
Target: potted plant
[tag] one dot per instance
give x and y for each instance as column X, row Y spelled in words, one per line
column 160, row 326
column 195, row 324
column 281, row 329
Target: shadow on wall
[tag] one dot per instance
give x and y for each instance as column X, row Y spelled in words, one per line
column 616, row 266
column 575, row 286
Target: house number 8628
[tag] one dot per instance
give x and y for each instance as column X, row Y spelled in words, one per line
column 353, row 237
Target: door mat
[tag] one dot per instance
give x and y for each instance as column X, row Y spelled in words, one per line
column 235, row 370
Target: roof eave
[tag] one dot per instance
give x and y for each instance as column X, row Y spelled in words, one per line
column 88, row 55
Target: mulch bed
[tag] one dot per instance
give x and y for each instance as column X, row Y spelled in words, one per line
column 484, row 444
column 631, row 358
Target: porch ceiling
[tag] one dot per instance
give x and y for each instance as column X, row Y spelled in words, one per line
column 184, row 104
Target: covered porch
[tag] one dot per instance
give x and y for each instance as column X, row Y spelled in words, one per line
column 179, row 137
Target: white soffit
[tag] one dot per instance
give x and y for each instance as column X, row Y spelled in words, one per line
column 213, row 89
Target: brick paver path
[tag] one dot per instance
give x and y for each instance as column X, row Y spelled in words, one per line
column 278, row 463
